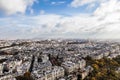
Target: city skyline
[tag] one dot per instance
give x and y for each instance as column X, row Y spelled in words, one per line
column 28, row 19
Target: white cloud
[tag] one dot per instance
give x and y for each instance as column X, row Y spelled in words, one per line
column 104, row 24
column 31, row 11
column 92, row 5
column 42, row 12
column 15, row 6
column 57, row 3
column 108, row 7
column 78, row 3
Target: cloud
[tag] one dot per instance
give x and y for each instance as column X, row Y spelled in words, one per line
column 112, row 6
column 57, row 3
column 103, row 24
column 31, row 11
column 42, row 12
column 78, row 3
column 15, row 6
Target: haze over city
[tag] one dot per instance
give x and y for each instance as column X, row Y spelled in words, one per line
column 29, row 19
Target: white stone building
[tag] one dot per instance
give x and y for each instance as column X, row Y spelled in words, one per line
column 53, row 74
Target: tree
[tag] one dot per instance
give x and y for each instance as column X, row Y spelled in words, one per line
column 26, row 76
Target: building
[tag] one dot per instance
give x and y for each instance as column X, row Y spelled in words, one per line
column 86, row 71
column 7, row 77
column 1, row 69
column 69, row 66
column 53, row 74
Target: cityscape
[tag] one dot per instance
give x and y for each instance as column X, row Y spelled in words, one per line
column 69, row 59
column 59, row 39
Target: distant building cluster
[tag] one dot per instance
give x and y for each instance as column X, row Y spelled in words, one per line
column 52, row 59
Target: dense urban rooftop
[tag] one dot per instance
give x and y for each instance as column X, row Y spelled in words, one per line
column 59, row 59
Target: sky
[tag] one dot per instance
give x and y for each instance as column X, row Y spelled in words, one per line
column 81, row 19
